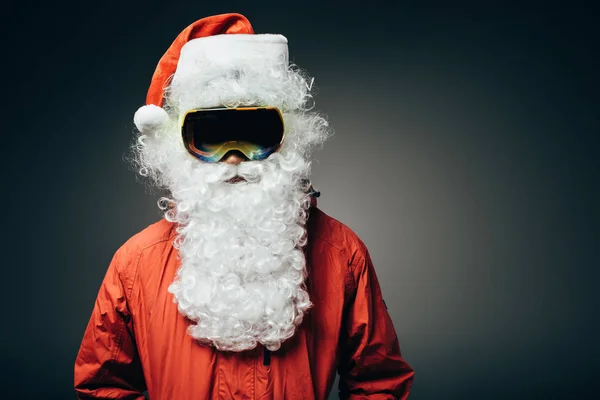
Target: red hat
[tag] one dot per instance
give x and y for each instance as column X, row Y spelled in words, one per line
column 227, row 39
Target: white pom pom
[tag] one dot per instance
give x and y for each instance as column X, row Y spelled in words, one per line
column 150, row 118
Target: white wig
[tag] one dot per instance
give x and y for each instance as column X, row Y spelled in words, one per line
column 243, row 269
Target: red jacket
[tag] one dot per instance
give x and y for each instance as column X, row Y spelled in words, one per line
column 136, row 339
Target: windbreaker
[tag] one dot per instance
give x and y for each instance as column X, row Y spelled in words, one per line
column 136, row 340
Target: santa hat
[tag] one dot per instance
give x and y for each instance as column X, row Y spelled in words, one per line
column 226, row 39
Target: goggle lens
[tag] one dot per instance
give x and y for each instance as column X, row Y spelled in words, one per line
column 209, row 134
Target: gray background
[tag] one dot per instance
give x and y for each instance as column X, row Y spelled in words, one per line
column 465, row 157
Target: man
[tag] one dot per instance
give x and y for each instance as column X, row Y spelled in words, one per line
column 245, row 290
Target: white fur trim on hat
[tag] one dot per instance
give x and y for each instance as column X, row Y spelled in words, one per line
column 209, row 67
column 230, row 50
column 150, row 118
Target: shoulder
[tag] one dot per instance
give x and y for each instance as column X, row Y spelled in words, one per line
column 325, row 228
column 351, row 250
column 157, row 235
column 159, row 232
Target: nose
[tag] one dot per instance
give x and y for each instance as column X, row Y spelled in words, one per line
column 234, row 157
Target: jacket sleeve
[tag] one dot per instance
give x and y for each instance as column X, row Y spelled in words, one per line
column 107, row 365
column 371, row 365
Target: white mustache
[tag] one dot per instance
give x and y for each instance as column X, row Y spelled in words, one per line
column 251, row 171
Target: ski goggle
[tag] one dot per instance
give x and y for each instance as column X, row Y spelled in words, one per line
column 209, row 134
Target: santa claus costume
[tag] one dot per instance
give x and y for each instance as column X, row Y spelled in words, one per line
column 245, row 289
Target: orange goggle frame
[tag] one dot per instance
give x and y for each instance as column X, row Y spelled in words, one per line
column 209, row 134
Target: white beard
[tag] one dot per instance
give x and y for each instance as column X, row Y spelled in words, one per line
column 243, row 269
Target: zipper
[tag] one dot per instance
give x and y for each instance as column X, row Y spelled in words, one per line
column 266, row 357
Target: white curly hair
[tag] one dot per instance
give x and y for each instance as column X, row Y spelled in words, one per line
column 242, row 273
